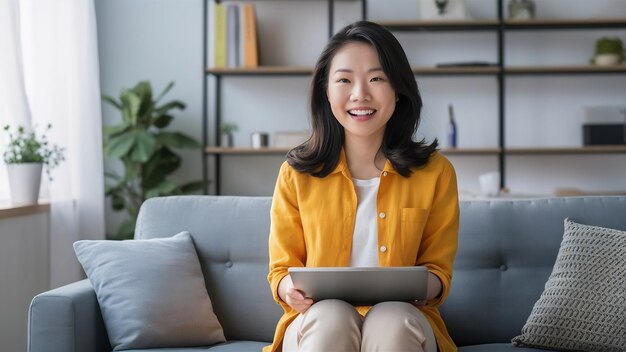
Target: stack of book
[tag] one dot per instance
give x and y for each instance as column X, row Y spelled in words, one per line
column 236, row 43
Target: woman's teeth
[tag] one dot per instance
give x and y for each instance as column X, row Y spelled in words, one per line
column 361, row 112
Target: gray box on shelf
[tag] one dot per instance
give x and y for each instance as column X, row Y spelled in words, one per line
column 604, row 125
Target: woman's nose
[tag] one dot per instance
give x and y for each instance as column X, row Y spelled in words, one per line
column 359, row 92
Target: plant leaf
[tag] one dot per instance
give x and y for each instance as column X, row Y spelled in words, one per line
column 162, row 121
column 162, row 163
column 119, row 145
column 111, row 101
column 130, row 105
column 117, row 202
column 144, row 146
column 166, row 187
column 177, row 140
column 143, row 90
column 110, row 131
column 167, row 89
column 175, row 104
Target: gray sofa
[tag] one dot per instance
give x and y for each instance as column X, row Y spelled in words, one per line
column 506, row 253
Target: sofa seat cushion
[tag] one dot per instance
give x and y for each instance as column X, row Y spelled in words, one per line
column 230, row 346
column 497, row 347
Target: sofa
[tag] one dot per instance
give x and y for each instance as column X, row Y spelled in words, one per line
column 506, row 252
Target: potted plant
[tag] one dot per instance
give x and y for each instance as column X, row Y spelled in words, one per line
column 608, row 51
column 146, row 151
column 226, row 131
column 26, row 154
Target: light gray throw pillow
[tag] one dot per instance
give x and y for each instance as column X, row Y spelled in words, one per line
column 151, row 292
column 583, row 305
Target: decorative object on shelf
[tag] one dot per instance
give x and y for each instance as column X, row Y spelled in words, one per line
column 441, row 6
column 521, row 9
column 226, row 134
column 451, row 127
column 608, row 51
column 26, row 155
column 604, row 125
column 290, row 139
column 259, row 140
column 145, row 149
column 489, row 184
column 443, row 9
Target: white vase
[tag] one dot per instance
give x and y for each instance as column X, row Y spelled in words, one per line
column 24, row 182
column 606, row 59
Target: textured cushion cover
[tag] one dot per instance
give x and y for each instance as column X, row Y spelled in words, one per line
column 583, row 305
column 151, row 292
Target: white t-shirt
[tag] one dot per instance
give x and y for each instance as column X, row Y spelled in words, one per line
column 365, row 237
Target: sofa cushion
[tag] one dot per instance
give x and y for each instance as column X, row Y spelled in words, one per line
column 582, row 306
column 151, row 292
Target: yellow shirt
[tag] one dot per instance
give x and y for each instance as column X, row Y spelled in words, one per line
column 312, row 223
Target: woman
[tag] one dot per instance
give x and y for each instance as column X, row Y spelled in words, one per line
column 361, row 192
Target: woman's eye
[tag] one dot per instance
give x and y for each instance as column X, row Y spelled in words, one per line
column 377, row 79
column 343, row 80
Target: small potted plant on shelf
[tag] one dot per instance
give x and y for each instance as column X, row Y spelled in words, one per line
column 226, row 131
column 608, row 51
column 26, row 154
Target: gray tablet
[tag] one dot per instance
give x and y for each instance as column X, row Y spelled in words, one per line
column 362, row 286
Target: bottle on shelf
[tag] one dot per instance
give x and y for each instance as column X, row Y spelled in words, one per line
column 451, row 128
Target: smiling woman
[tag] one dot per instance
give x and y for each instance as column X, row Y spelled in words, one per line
column 361, row 192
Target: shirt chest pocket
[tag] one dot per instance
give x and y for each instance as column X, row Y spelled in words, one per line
column 412, row 225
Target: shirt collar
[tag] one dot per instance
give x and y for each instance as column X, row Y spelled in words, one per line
column 342, row 165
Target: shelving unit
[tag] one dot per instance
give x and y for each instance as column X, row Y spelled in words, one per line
column 499, row 70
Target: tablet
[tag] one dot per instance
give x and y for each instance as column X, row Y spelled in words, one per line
column 362, row 286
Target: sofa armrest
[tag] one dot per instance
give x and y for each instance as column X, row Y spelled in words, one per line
column 67, row 319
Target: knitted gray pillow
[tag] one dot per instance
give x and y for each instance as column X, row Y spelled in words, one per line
column 583, row 305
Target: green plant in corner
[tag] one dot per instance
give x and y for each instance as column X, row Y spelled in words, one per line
column 146, row 151
column 28, row 147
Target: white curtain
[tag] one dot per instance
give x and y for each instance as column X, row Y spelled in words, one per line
column 50, row 75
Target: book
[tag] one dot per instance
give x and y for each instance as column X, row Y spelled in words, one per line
column 249, row 40
column 232, row 35
column 220, row 36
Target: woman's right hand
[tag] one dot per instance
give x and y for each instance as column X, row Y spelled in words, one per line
column 292, row 296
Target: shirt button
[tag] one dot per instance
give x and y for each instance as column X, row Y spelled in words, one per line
column 383, row 249
column 384, row 173
column 381, row 215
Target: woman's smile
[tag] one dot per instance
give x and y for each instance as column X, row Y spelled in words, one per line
column 362, row 113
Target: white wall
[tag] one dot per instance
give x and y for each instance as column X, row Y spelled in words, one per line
column 24, row 263
column 161, row 40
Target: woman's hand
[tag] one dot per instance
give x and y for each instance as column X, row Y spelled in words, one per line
column 293, row 297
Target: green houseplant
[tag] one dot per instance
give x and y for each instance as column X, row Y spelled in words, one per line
column 26, row 154
column 608, row 51
column 146, row 151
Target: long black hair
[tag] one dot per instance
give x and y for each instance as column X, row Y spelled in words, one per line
column 319, row 155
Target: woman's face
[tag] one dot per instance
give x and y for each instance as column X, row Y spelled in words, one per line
column 360, row 94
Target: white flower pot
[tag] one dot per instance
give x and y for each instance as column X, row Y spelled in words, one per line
column 606, row 59
column 24, row 182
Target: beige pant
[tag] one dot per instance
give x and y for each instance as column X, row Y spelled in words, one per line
column 335, row 326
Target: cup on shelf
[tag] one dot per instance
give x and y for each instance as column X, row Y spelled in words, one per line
column 489, row 184
column 259, row 140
